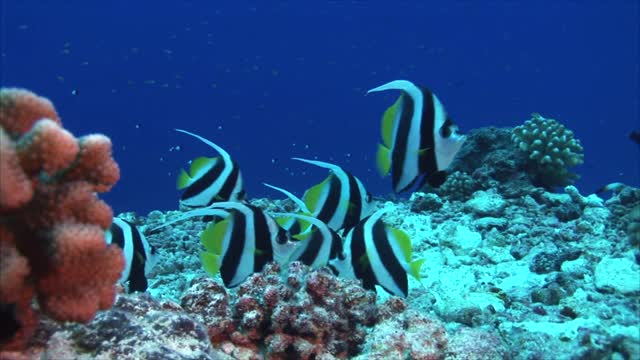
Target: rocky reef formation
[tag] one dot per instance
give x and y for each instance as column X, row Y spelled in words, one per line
column 512, row 271
column 512, row 161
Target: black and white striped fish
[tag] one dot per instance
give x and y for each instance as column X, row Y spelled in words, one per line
column 378, row 255
column 241, row 243
column 140, row 256
column 291, row 224
column 419, row 138
column 341, row 200
column 317, row 245
column 210, row 179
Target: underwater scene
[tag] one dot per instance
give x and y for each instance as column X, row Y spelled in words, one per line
column 192, row 180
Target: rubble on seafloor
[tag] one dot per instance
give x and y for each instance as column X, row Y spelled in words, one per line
column 547, row 275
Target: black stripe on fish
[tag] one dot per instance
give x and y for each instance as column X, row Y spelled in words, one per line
column 263, row 235
column 229, row 185
column 329, row 205
column 207, row 180
column 428, row 164
column 356, row 202
column 336, row 245
column 237, row 243
column 117, row 235
column 137, row 278
column 129, row 238
column 398, row 154
column 359, row 260
column 389, row 260
column 314, row 243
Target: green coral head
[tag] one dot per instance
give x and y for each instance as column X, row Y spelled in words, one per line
column 550, row 147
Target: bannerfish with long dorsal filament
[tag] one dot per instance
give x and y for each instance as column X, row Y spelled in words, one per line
column 341, row 200
column 241, row 243
column 378, row 254
column 140, row 256
column 419, row 139
column 291, row 224
column 317, row 245
column 210, row 179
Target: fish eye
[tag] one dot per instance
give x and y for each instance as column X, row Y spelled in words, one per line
column 445, row 132
column 448, row 128
column 368, row 197
column 342, row 256
column 282, row 237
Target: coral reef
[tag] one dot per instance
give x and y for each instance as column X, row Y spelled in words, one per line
column 625, row 209
column 136, row 327
column 551, row 149
column 512, row 161
column 517, row 278
column 512, row 271
column 307, row 315
column 488, row 160
column 51, row 221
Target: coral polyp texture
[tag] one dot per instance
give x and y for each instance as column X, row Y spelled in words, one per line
column 551, row 149
column 52, row 223
column 305, row 315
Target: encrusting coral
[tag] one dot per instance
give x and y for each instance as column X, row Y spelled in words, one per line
column 52, row 224
column 312, row 314
column 551, row 149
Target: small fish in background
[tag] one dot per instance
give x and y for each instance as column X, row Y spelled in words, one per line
column 378, row 255
column 635, row 136
column 615, row 188
column 75, row 92
column 139, row 255
column 317, row 245
column 341, row 200
column 419, row 138
column 241, row 243
column 210, row 179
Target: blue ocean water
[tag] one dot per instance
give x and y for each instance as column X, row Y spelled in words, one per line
column 272, row 80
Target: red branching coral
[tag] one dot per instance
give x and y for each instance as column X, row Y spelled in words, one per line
column 51, row 221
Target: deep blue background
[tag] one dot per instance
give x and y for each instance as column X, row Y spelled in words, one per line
column 270, row 80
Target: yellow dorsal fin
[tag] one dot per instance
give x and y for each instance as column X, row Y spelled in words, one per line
column 199, row 164
column 388, row 122
column 213, row 236
column 183, row 180
column 210, row 262
column 383, row 160
column 312, row 196
column 403, row 242
column 414, row 268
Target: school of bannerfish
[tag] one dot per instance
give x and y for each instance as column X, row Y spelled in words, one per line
column 335, row 224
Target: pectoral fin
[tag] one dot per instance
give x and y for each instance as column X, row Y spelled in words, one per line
column 414, row 268
column 213, row 236
column 210, row 262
